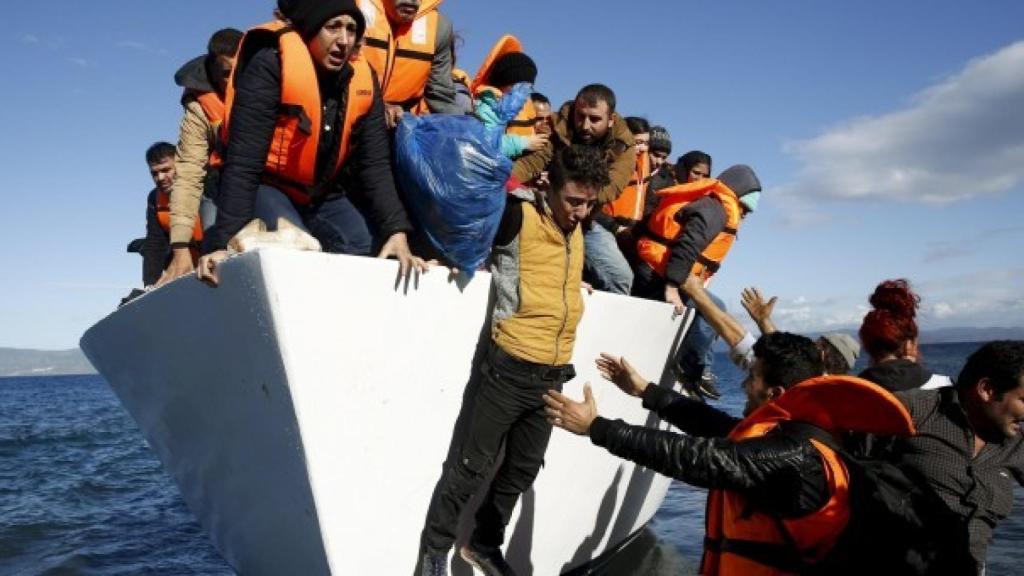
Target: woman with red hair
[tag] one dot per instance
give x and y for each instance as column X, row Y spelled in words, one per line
column 889, row 335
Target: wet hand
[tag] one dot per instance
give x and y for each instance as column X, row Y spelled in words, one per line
column 567, row 414
column 616, row 370
column 207, row 270
column 181, row 264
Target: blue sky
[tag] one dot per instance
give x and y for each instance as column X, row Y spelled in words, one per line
column 888, row 135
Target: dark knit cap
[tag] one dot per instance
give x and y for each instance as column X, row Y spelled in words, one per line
column 661, row 140
column 308, row 16
column 512, row 68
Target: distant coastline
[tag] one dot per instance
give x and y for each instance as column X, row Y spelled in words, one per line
column 18, row 362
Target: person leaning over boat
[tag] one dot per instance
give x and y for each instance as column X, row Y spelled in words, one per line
column 307, row 140
column 409, row 44
column 590, row 120
column 204, row 80
column 889, row 335
column 762, row 475
column 969, row 448
column 691, row 232
column 156, row 248
column 537, row 267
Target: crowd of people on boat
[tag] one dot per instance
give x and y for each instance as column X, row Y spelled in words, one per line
column 291, row 123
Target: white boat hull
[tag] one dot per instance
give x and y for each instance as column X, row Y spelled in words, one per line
column 305, row 408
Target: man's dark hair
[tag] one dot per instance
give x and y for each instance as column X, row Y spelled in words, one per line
column 637, row 125
column 581, row 164
column 1001, row 361
column 591, row 94
column 539, row 98
column 832, row 359
column 787, row 359
column 224, row 42
column 159, row 151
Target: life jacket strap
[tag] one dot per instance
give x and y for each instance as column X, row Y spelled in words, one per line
column 709, row 265
column 414, row 55
column 377, row 43
column 296, row 111
column 782, row 557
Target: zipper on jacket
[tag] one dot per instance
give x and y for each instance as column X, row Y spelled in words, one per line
column 565, row 301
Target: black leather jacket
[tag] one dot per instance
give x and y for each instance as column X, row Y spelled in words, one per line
column 780, row 473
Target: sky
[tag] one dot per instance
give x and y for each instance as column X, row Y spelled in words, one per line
column 889, row 137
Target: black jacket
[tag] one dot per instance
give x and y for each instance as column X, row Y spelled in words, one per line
column 367, row 176
column 156, row 249
column 897, row 375
column 780, row 473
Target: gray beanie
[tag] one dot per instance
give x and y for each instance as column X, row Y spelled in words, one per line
column 661, row 140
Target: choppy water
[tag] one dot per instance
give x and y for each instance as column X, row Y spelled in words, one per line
column 81, row 492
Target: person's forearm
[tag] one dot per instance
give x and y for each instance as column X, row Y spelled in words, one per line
column 688, row 415
column 722, row 322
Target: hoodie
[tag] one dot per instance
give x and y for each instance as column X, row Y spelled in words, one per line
column 703, row 220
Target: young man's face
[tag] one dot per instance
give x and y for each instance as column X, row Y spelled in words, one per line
column 572, row 204
column 658, row 158
column 591, row 123
column 224, row 64
column 333, row 45
column 758, row 393
column 642, row 142
column 700, row 171
column 1003, row 414
column 163, row 174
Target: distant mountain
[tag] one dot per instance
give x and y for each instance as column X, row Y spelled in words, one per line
column 18, row 362
column 940, row 335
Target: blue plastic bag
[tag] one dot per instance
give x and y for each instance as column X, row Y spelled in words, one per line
column 453, row 175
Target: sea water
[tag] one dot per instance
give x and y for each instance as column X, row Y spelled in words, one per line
column 82, row 493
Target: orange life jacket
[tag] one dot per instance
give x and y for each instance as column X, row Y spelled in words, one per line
column 215, row 111
column 163, row 216
column 291, row 161
column 662, row 230
column 524, row 123
column 401, row 57
column 629, row 206
column 834, row 403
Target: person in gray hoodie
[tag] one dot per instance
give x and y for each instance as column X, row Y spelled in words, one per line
column 701, row 222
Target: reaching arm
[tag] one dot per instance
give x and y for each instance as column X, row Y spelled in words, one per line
column 760, row 311
column 193, row 153
column 723, row 323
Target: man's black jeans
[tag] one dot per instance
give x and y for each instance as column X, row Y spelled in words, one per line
column 508, row 406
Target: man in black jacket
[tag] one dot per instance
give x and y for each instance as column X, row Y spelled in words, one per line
column 337, row 201
column 780, row 473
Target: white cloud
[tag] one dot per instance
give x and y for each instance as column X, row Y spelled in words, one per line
column 29, row 39
column 80, row 62
column 960, row 138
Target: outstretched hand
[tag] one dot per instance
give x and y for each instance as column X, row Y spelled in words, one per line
column 616, row 370
column 567, row 414
column 760, row 310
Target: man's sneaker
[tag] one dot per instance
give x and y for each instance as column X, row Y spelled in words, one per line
column 434, row 564
column 707, row 387
column 487, row 560
column 690, row 389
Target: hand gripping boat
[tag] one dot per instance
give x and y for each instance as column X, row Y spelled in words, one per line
column 305, row 408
